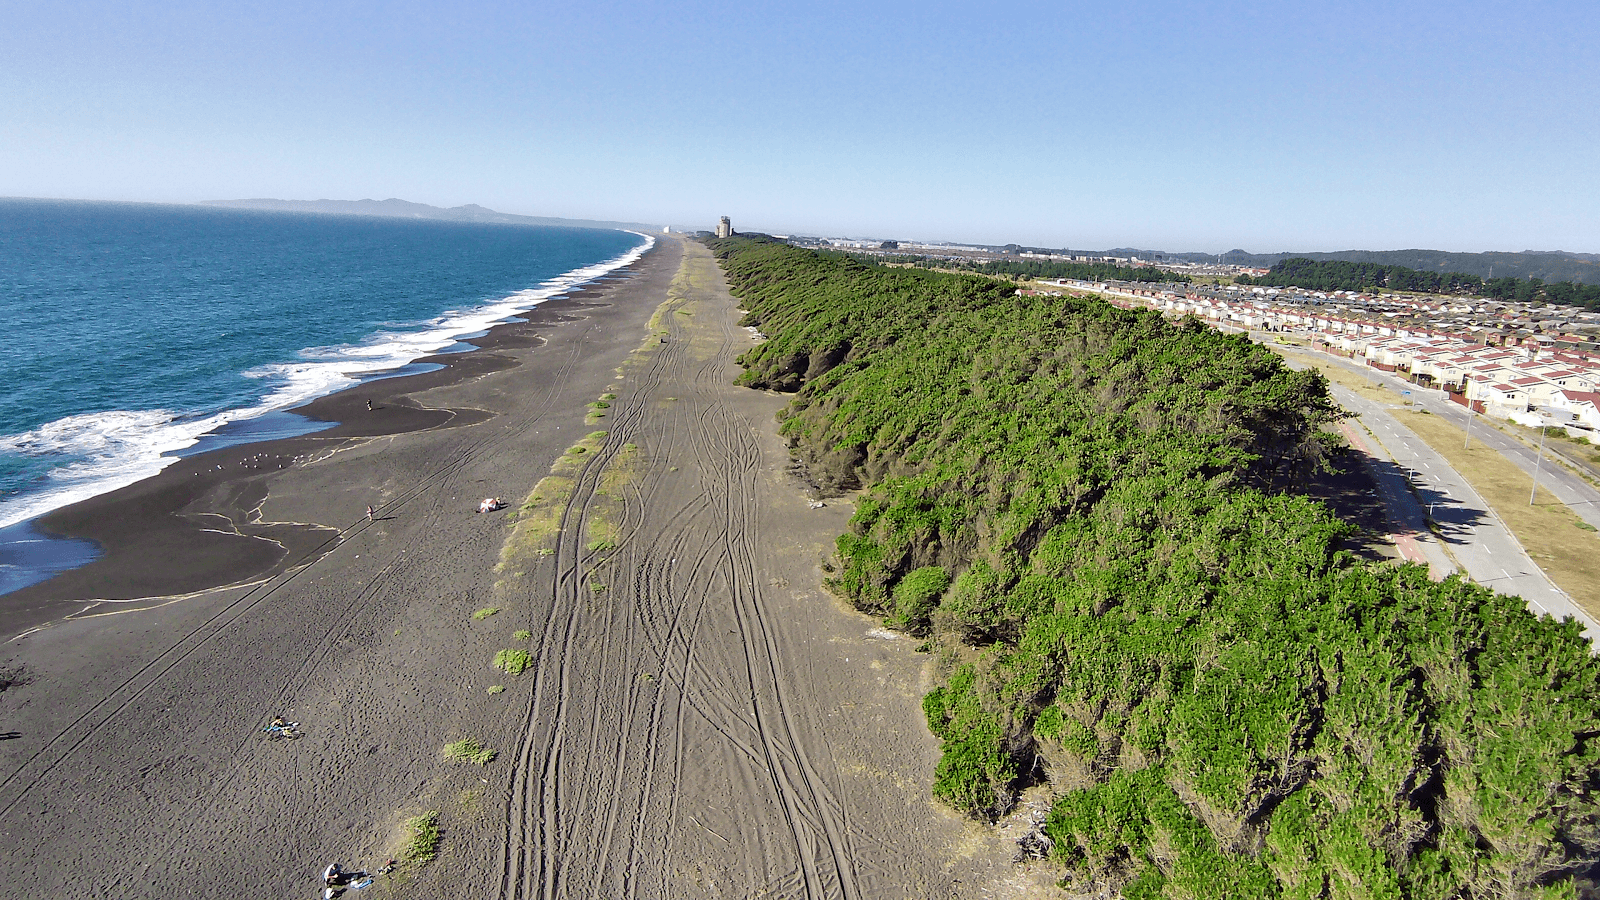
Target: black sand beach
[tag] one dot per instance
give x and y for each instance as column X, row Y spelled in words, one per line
column 197, row 524
column 697, row 718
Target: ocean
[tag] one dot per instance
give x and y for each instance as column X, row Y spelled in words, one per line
column 137, row 333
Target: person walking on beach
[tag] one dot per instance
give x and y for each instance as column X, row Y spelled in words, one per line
column 370, row 511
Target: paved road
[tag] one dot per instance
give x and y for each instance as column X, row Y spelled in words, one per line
column 1473, row 537
column 1410, row 535
column 1579, row 495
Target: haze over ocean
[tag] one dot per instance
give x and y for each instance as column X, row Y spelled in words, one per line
column 134, row 329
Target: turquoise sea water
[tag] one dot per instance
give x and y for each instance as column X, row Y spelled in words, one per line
column 135, row 331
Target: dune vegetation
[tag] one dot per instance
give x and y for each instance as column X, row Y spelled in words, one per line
column 1093, row 515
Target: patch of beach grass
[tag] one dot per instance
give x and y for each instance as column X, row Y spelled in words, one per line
column 602, row 532
column 513, row 662
column 522, row 635
column 620, row 470
column 496, row 689
column 484, row 613
column 421, row 841
column 469, row 750
column 539, row 517
column 658, row 320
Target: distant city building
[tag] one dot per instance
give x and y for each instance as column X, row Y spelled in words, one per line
column 724, row 228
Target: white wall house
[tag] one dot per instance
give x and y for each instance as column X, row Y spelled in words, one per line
column 1583, row 405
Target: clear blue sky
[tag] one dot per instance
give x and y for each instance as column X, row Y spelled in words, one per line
column 1165, row 125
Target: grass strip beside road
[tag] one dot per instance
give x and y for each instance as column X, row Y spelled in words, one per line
column 1548, row 530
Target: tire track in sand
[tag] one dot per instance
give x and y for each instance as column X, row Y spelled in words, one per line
column 663, row 700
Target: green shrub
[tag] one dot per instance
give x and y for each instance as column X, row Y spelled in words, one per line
column 422, row 838
column 513, row 662
column 485, row 613
column 469, row 750
column 916, row 596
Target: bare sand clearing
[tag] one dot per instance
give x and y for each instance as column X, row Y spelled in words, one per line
column 698, row 719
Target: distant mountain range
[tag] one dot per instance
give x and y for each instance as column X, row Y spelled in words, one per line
column 1549, row 265
column 405, row 209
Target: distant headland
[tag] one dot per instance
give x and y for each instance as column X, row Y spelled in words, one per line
column 405, row 209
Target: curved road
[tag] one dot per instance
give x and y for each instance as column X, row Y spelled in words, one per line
column 1579, row 495
column 1472, row 536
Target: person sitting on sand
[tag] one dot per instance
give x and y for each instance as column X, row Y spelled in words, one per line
column 333, row 875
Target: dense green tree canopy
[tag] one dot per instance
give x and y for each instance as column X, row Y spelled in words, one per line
column 1030, row 268
column 1092, row 514
column 1337, row 275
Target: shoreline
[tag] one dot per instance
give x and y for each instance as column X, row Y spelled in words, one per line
column 704, row 717
column 182, row 398
column 195, row 525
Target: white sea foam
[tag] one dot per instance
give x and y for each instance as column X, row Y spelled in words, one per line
column 117, row 448
column 112, row 449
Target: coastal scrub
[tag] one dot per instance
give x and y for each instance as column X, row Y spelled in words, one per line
column 1097, row 515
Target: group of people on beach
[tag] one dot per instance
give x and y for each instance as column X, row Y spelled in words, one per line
column 336, row 879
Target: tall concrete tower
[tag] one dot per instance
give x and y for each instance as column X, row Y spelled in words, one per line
column 724, row 228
